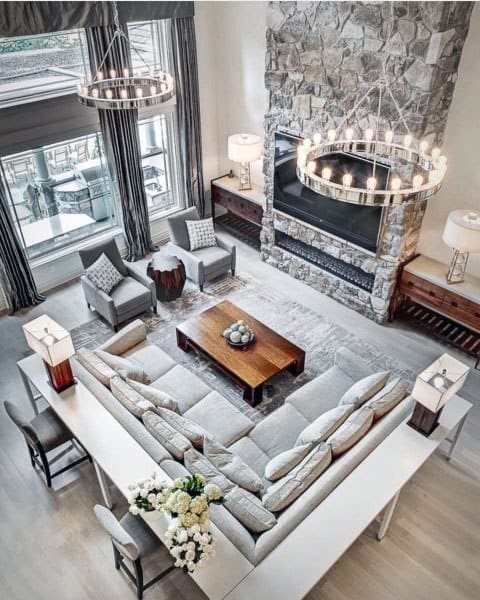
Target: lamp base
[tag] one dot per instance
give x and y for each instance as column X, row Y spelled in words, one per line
column 424, row 420
column 456, row 271
column 245, row 181
column 60, row 377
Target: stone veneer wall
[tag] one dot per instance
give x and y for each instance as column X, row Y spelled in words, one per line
column 321, row 58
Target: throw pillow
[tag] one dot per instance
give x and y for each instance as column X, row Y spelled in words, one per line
column 155, row 396
column 284, row 462
column 324, row 425
column 249, row 510
column 129, row 398
column 354, row 428
column 201, row 233
column 124, row 367
column 195, row 462
column 95, row 365
column 232, row 466
column 176, row 443
column 363, row 390
column 189, row 429
column 103, row 274
column 282, row 493
column 387, row 398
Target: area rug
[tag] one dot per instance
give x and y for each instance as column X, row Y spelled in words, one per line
column 318, row 336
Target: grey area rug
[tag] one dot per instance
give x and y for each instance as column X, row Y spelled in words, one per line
column 319, row 337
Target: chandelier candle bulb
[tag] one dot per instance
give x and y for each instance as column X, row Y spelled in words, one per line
column 417, row 181
column 389, row 136
column 99, row 76
column 349, row 133
column 371, row 183
column 347, row 179
column 436, row 153
column 396, row 184
column 317, row 138
column 95, row 93
column 126, row 72
column 307, row 142
column 138, row 92
column 331, row 135
column 123, row 94
column 112, row 73
column 407, row 140
column 108, row 94
column 423, row 146
column 153, row 90
column 433, row 176
column 163, row 87
column 326, row 173
column 369, row 134
column 311, row 166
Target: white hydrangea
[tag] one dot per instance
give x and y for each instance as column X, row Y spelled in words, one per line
column 198, row 504
column 212, row 491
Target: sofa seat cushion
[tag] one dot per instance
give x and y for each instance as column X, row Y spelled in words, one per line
column 282, row 464
column 124, row 367
column 249, row 510
column 225, row 423
column 251, row 454
column 363, row 390
column 214, row 258
column 191, row 430
column 176, row 443
column 282, row 493
column 352, row 430
column 156, row 397
column 321, row 394
column 153, row 360
column 195, row 462
column 185, row 387
column 130, row 398
column 324, row 425
column 128, row 295
column 388, row 397
column 96, row 366
column 279, row 431
column 232, row 466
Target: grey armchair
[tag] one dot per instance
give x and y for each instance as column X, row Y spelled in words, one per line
column 134, row 295
column 206, row 263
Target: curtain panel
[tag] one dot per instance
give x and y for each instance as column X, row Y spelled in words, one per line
column 15, row 274
column 122, row 146
column 185, row 70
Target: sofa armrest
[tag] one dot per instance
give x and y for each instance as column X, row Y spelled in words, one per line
column 351, row 364
column 229, row 247
column 132, row 334
column 136, row 273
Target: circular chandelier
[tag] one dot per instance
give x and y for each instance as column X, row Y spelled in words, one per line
column 111, row 90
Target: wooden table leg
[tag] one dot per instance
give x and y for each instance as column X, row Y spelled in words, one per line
column 182, row 341
column 253, row 396
column 298, row 366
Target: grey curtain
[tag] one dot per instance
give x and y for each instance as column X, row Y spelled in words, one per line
column 185, row 68
column 122, row 144
column 15, row 274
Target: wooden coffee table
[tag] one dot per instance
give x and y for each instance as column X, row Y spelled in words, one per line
column 250, row 367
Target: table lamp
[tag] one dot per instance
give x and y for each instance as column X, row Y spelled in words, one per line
column 245, row 148
column 433, row 388
column 462, row 233
column 54, row 344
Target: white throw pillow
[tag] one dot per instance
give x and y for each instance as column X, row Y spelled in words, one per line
column 324, row 425
column 249, row 510
column 96, row 366
column 284, row 462
column 129, row 398
column 195, row 462
column 363, row 390
column 154, row 395
column 124, row 367
column 388, row 397
column 201, row 233
column 104, row 275
column 176, row 443
column 193, row 432
column 354, row 428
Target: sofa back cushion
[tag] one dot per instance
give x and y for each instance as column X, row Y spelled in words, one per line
column 284, row 462
column 95, row 365
column 176, row 443
column 363, row 390
column 388, row 397
column 324, row 425
column 129, row 398
column 193, row 432
column 195, row 463
column 352, row 430
column 249, row 510
column 124, row 367
column 156, row 397
column 282, row 493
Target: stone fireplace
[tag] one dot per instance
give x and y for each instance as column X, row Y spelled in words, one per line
column 321, row 57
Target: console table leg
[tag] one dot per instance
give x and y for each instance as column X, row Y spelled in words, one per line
column 458, row 432
column 28, row 388
column 387, row 517
column 102, row 482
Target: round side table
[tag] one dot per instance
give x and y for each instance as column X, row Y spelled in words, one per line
column 168, row 273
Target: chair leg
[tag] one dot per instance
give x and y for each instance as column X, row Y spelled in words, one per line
column 115, row 328
column 46, row 466
column 139, row 578
column 201, row 287
column 233, row 272
column 116, row 557
column 155, row 310
column 30, row 452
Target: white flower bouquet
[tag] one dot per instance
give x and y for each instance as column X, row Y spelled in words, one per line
column 190, row 547
column 148, row 495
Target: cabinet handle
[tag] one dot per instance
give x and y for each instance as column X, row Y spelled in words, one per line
column 430, row 293
column 410, row 284
column 477, row 314
column 454, row 303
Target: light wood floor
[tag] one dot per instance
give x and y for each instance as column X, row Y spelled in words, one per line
column 52, row 547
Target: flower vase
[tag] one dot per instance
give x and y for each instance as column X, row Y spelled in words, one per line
column 153, row 515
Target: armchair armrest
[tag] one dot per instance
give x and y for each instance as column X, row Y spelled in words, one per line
column 193, row 265
column 100, row 301
column 231, row 248
column 135, row 272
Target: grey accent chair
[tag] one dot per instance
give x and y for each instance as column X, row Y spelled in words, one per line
column 134, row 295
column 134, row 543
column 44, row 433
column 206, row 263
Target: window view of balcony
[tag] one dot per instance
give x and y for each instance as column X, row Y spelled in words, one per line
column 60, row 193
column 41, row 66
column 149, row 43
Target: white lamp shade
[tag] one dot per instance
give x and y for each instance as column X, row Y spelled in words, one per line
column 462, row 230
column 49, row 339
column 445, row 368
column 245, row 147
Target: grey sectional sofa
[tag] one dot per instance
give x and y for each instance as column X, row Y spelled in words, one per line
column 255, row 444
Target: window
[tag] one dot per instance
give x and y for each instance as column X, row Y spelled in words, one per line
column 41, row 66
column 149, row 41
column 59, row 194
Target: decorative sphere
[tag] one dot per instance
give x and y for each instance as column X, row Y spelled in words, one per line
column 235, row 337
column 234, row 326
column 227, row 332
column 242, row 329
column 245, row 338
column 241, row 322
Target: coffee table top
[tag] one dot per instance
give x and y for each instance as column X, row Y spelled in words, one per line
column 255, row 364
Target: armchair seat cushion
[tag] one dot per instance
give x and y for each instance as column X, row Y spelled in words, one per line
column 128, row 295
column 51, row 432
column 214, row 258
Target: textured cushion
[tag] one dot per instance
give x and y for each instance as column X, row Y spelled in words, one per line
column 103, row 274
column 153, row 360
column 282, row 493
column 232, row 466
column 128, row 337
column 324, row 425
column 131, row 400
column 220, row 418
column 183, row 385
column 197, row 463
column 95, row 365
column 213, row 258
column 186, row 427
column 251, row 454
column 177, row 228
column 201, row 233
column 176, row 443
column 354, row 428
column 156, row 397
column 124, row 367
column 248, row 509
column 388, row 397
column 363, row 390
column 286, row 461
column 130, row 295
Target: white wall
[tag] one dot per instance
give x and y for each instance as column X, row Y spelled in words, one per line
column 461, row 187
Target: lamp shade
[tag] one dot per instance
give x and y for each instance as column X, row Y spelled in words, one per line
column 244, row 147
column 462, row 230
column 439, row 382
column 49, row 339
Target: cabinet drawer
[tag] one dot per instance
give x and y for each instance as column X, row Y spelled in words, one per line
column 410, row 281
column 459, row 302
column 421, row 290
